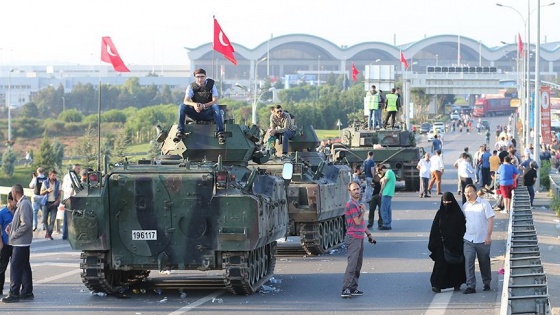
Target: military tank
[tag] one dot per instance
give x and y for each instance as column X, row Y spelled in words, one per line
column 317, row 194
column 394, row 148
column 199, row 207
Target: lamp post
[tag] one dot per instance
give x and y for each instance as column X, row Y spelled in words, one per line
column 9, row 103
column 437, row 57
column 527, row 64
column 480, row 53
column 254, row 109
column 63, row 103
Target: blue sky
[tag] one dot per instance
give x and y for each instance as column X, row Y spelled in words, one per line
column 156, row 32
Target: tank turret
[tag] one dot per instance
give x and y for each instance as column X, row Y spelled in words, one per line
column 393, row 147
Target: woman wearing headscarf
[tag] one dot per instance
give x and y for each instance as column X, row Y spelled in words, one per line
column 448, row 228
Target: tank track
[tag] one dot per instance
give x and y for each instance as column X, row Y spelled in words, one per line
column 98, row 278
column 245, row 273
column 248, row 271
column 411, row 178
column 319, row 237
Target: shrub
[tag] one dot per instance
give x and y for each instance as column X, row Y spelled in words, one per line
column 555, row 205
column 544, row 171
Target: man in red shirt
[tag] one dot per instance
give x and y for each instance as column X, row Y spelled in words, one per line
column 355, row 229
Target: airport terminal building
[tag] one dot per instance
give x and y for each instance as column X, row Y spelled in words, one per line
column 288, row 55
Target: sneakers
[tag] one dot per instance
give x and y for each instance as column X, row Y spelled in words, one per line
column 345, row 294
column 180, row 135
column 10, row 299
column 486, row 287
column 357, row 293
column 436, row 290
column 221, row 138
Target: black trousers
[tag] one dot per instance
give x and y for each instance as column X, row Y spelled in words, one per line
column 464, row 182
column 20, row 272
column 5, row 255
column 392, row 114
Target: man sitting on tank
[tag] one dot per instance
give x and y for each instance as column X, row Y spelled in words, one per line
column 281, row 125
column 201, row 104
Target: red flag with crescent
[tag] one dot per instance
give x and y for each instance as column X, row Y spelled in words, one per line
column 110, row 55
column 520, row 45
column 355, row 73
column 222, row 43
column 403, row 60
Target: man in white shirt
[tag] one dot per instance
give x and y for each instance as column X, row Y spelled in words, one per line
column 68, row 190
column 436, row 170
column 465, row 172
column 477, row 239
column 424, row 166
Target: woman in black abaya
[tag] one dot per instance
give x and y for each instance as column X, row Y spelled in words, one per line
column 448, row 226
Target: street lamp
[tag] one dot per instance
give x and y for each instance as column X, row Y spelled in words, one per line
column 9, row 103
column 527, row 27
column 63, row 103
column 254, row 109
column 437, row 57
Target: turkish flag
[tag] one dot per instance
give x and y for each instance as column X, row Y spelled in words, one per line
column 520, row 45
column 222, row 43
column 110, row 55
column 355, row 73
column 403, row 60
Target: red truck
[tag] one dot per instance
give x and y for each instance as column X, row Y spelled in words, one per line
column 492, row 106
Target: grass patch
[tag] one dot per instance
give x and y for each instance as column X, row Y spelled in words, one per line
column 326, row 134
column 22, row 175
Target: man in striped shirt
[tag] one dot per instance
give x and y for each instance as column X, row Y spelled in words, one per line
column 355, row 229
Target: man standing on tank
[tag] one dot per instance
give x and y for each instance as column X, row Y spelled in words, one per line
column 201, row 104
column 20, row 233
column 355, row 229
column 391, row 106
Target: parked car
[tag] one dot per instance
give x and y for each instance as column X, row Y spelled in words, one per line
column 432, row 132
column 439, row 125
column 454, row 115
column 424, row 128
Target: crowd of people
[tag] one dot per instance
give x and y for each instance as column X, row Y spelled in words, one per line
column 19, row 220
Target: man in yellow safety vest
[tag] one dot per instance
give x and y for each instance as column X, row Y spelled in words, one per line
column 372, row 101
column 391, row 106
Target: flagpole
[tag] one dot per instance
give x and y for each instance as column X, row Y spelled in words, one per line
column 99, row 125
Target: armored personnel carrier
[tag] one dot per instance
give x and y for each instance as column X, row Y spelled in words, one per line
column 200, row 207
column 317, row 194
column 394, row 148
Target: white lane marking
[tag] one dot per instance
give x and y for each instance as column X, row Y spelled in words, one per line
column 439, row 303
column 197, row 303
column 40, row 249
column 60, row 276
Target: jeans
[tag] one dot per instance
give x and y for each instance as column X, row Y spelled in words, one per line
column 374, row 119
column 386, row 213
column 20, row 272
column 355, row 248
column 531, row 191
column 286, row 136
column 209, row 114
column 36, row 206
column 485, row 175
column 49, row 217
column 424, row 181
column 471, row 251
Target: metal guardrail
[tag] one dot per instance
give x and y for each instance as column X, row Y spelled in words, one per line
column 525, row 289
column 5, row 190
column 554, row 180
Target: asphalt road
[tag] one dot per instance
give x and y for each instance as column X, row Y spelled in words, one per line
column 395, row 274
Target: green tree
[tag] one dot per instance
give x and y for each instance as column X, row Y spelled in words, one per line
column 8, row 160
column 58, row 150
column 46, row 157
column 71, row 115
column 87, row 148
